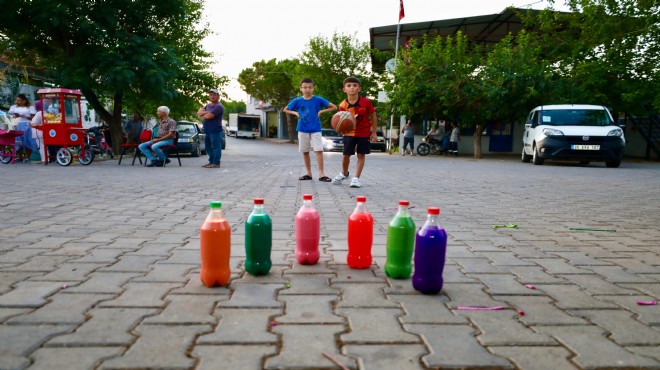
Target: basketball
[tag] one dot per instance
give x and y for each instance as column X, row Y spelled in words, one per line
column 343, row 122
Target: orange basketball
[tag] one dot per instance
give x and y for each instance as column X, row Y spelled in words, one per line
column 343, row 122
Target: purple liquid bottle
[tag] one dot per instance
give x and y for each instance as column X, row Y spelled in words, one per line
column 430, row 251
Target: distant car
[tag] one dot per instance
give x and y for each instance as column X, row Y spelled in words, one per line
column 191, row 138
column 575, row 132
column 381, row 144
column 331, row 140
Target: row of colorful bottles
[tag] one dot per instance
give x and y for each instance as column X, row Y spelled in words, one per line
column 428, row 244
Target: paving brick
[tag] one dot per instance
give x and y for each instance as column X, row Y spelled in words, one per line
column 29, row 294
column 100, row 255
column 375, row 326
column 253, row 296
column 72, row 358
column 426, row 309
column 39, row 264
column 623, row 328
column 616, row 274
column 572, row 297
column 132, row 263
column 468, row 295
column 477, row 265
column 187, row 309
column 363, row 295
column 559, row 266
column 145, row 295
column 594, row 350
column 580, row 258
column 505, row 258
column 556, row 358
column 163, row 273
column 104, row 282
column 68, row 272
column 597, row 285
column 19, row 255
column 648, row 315
column 62, row 308
column 394, row 356
column 648, row 351
column 345, row 274
column 536, row 275
column 308, row 284
column 9, row 279
column 504, row 284
column 303, row 347
column 501, row 327
column 310, row 309
column 17, row 341
column 454, row 346
column 159, row 346
column 105, row 327
column 541, row 311
column 234, row 323
column 244, row 356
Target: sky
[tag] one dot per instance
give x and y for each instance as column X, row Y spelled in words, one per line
column 248, row 31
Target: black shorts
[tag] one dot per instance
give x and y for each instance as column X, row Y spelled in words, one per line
column 353, row 144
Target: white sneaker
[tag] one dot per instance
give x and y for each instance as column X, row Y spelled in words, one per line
column 339, row 178
column 355, row 183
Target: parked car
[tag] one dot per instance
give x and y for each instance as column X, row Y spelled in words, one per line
column 575, row 132
column 380, row 144
column 191, row 138
column 331, row 140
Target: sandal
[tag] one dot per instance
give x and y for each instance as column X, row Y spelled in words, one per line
column 325, row 179
column 206, row 165
column 306, row 177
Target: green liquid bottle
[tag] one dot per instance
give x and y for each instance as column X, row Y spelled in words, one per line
column 400, row 243
column 258, row 240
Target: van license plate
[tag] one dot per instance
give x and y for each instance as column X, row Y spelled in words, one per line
column 585, row 147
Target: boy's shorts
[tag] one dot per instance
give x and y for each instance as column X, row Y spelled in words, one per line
column 359, row 144
column 310, row 140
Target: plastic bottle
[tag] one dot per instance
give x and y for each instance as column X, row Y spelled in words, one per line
column 308, row 232
column 258, row 240
column 430, row 250
column 215, row 247
column 360, row 236
column 400, row 243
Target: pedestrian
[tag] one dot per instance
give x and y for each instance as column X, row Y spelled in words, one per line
column 309, row 108
column 357, row 141
column 37, row 132
column 133, row 129
column 211, row 115
column 22, row 110
column 408, row 132
column 165, row 136
column 454, row 139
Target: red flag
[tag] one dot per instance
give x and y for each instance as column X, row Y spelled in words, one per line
column 401, row 12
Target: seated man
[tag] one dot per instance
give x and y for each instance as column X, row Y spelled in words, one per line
column 435, row 134
column 165, row 136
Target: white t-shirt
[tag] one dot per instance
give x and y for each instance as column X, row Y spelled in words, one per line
column 454, row 135
column 23, row 112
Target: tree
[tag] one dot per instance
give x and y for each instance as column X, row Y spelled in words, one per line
column 145, row 52
column 233, row 107
column 274, row 82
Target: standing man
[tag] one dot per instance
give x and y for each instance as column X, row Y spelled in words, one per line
column 211, row 115
column 165, row 136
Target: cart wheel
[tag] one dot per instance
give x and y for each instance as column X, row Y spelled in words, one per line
column 5, row 154
column 64, row 157
column 88, row 158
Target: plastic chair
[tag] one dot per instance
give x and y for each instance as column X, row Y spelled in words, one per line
column 145, row 136
column 167, row 149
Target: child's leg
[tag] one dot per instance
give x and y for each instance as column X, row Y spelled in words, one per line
column 345, row 162
column 361, row 158
column 319, row 160
column 308, row 164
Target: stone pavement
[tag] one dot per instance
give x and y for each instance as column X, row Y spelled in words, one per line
column 99, row 267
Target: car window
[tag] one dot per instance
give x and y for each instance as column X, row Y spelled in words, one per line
column 575, row 117
column 188, row 129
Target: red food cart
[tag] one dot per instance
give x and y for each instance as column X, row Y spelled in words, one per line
column 7, row 145
column 62, row 125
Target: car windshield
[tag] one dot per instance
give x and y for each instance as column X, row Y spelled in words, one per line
column 328, row 132
column 185, row 129
column 575, row 117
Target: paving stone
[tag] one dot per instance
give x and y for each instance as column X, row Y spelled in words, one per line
column 468, row 295
column 505, row 258
column 309, row 309
column 559, row 266
column 194, row 286
column 244, row 356
column 105, row 327
column 504, row 284
column 321, row 267
column 145, row 295
column 345, row 274
column 101, row 255
column 648, row 351
column 380, row 357
column 164, row 273
column 363, row 295
column 62, row 308
column 616, row 274
column 375, row 326
column 9, row 279
column 17, row 341
column 623, row 328
column 556, row 358
column 187, row 309
column 29, row 294
column 426, row 309
column 501, row 327
column 454, row 346
column 72, row 358
column 303, row 347
column 39, row 264
column 594, row 350
column 19, row 255
column 580, row 258
column 242, row 326
column 308, row 284
column 104, row 282
column 253, row 296
column 131, row 263
column 536, row 275
column 159, row 346
column 597, row 285
column 68, row 272
column 649, row 315
column 542, row 311
column 572, row 297
column 477, row 265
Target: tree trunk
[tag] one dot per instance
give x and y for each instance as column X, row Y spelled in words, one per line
column 112, row 119
column 478, row 131
column 290, row 129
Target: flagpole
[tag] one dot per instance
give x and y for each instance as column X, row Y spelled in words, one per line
column 396, row 52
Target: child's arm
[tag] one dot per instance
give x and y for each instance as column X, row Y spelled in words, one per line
column 331, row 107
column 374, row 127
column 291, row 112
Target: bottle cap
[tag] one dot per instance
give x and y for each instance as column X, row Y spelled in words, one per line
column 215, row 204
column 307, row 196
column 434, row 211
column 404, row 203
column 258, row 200
column 361, row 199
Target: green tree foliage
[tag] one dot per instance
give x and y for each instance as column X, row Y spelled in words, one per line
column 233, row 107
column 146, row 53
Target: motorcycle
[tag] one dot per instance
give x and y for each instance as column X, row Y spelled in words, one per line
column 429, row 145
column 96, row 141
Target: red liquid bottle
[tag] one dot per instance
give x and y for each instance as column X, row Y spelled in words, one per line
column 258, row 240
column 360, row 236
column 430, row 251
column 308, row 232
column 215, row 248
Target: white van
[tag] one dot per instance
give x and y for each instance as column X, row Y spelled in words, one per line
column 575, row 132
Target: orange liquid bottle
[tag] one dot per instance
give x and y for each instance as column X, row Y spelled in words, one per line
column 215, row 248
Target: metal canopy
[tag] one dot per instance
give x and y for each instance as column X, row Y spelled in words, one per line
column 485, row 30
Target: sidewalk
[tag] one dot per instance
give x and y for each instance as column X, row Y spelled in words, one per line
column 99, row 267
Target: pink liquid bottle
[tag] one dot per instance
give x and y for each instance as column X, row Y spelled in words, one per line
column 360, row 236
column 308, row 232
